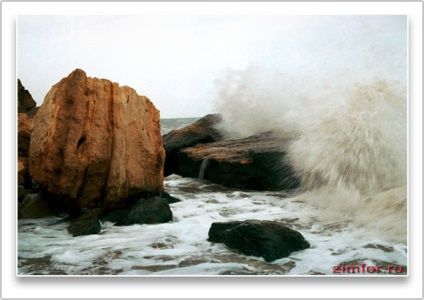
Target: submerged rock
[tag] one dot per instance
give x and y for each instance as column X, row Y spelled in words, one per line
column 268, row 239
column 97, row 143
column 202, row 131
column 256, row 163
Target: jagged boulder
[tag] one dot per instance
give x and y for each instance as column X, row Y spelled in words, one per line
column 268, row 239
column 26, row 103
column 256, row 163
column 202, row 131
column 97, row 143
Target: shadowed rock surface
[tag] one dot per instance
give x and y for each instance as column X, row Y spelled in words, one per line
column 25, row 127
column 97, row 143
column 202, row 131
column 256, row 163
column 41, row 205
column 268, row 239
column 26, row 103
column 23, row 175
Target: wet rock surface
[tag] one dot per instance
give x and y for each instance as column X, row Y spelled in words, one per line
column 202, row 131
column 268, row 239
column 256, row 163
column 25, row 127
column 85, row 224
column 145, row 211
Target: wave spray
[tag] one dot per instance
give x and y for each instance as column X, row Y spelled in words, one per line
column 337, row 87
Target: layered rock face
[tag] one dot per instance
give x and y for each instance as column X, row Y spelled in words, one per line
column 256, row 163
column 97, row 144
column 202, row 131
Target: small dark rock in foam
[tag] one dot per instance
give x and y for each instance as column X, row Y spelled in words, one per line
column 268, row 239
column 85, row 224
column 145, row 211
column 202, row 131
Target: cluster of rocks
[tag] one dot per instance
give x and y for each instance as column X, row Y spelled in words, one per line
column 94, row 152
column 254, row 163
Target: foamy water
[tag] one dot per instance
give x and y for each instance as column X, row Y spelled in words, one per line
column 181, row 247
column 339, row 92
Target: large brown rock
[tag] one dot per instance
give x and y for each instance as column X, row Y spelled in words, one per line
column 202, row 131
column 97, row 143
column 256, row 163
column 26, row 103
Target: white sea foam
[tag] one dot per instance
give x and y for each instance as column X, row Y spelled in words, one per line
column 339, row 93
column 181, row 247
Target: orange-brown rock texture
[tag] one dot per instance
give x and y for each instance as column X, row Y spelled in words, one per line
column 96, row 143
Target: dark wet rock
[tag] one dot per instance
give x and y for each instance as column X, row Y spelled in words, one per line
column 268, row 239
column 170, row 199
column 23, row 175
column 202, row 131
column 256, row 163
column 25, row 127
column 21, row 192
column 41, row 205
column 26, row 103
column 85, row 224
column 145, row 211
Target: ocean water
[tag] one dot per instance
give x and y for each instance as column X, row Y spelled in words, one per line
column 167, row 125
column 181, row 247
column 343, row 228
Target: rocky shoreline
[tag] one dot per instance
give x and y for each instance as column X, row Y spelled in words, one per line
column 93, row 153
